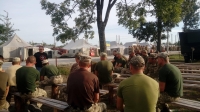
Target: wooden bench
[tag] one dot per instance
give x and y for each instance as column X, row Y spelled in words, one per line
column 56, row 104
column 189, row 104
column 191, row 81
column 191, row 85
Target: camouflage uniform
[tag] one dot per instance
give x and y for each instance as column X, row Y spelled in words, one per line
column 152, row 69
column 97, row 107
column 4, row 106
column 165, row 98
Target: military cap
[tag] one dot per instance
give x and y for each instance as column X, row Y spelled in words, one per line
column 153, row 55
column 163, row 55
column 85, row 58
column 16, row 59
column 137, row 61
column 103, row 54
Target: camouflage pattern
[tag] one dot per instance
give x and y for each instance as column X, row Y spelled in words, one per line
column 118, row 69
column 164, row 99
column 152, row 70
column 4, row 107
column 97, row 107
column 125, row 71
column 145, row 57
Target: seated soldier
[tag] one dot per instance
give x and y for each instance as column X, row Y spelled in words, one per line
column 4, row 87
column 1, row 63
column 75, row 66
column 120, row 64
column 115, row 57
column 139, row 93
column 47, row 74
column 26, row 79
column 145, row 56
column 104, row 70
column 11, row 71
column 127, row 70
column 83, row 89
column 170, row 82
column 152, row 67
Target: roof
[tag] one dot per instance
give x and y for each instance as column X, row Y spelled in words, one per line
column 127, row 44
column 77, row 44
column 114, row 44
column 15, row 41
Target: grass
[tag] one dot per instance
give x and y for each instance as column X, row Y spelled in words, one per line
column 176, row 58
column 64, row 70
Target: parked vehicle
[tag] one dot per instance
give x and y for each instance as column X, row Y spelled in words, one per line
column 190, row 45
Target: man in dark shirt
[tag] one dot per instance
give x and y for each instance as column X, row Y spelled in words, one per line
column 40, row 56
column 83, row 89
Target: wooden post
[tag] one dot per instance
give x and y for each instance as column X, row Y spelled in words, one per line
column 56, row 61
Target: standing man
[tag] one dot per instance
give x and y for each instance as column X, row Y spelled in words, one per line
column 152, row 68
column 40, row 56
column 104, row 70
column 170, row 82
column 139, row 93
column 4, row 88
column 49, row 71
column 11, row 71
column 83, row 89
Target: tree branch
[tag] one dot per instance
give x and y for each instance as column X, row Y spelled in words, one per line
column 110, row 5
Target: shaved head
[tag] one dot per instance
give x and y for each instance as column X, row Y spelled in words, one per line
column 31, row 59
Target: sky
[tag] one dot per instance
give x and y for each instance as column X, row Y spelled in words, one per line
column 35, row 26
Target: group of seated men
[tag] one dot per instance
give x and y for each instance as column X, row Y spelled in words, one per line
column 138, row 93
column 27, row 81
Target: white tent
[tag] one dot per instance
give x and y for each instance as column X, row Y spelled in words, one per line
column 130, row 44
column 80, row 45
column 115, row 46
column 12, row 47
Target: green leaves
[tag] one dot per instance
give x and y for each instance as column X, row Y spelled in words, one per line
column 6, row 28
column 63, row 12
column 190, row 14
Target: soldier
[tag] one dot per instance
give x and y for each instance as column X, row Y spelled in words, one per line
column 120, row 63
column 152, row 67
column 126, row 70
column 145, row 56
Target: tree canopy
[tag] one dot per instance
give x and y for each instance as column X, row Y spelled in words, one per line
column 190, row 14
column 85, row 16
column 6, row 28
column 167, row 14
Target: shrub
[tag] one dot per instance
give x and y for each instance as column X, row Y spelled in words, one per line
column 64, row 70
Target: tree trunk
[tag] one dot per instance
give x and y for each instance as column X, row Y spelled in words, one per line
column 102, row 39
column 159, row 31
column 102, row 24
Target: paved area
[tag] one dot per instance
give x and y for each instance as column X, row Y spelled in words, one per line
column 71, row 60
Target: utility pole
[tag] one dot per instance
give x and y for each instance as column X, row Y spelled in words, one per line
column 167, row 41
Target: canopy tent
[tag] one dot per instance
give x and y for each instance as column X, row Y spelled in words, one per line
column 80, row 45
column 12, row 47
column 115, row 46
column 129, row 44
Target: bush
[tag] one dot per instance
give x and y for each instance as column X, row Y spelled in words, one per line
column 64, row 70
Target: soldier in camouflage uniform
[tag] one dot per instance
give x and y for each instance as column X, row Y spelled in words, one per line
column 127, row 70
column 120, row 63
column 145, row 56
column 152, row 67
